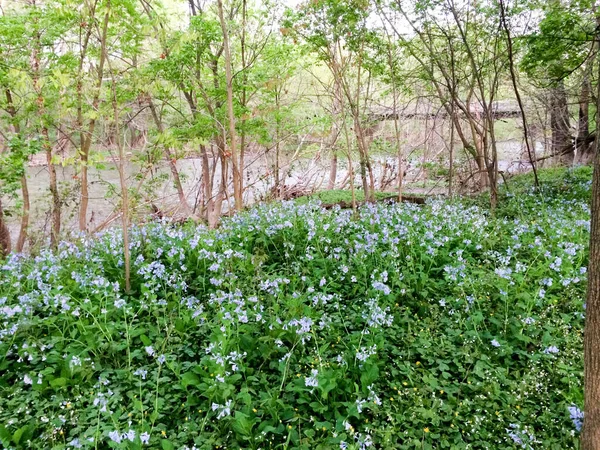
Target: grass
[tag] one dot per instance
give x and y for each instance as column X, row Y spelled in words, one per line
column 334, row 196
column 294, row 327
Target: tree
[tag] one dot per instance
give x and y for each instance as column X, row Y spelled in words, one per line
column 336, row 31
column 557, row 49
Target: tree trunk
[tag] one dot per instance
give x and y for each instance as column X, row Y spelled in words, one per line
column 590, row 439
column 10, row 107
column 122, row 179
column 560, row 124
column 237, row 180
column 5, row 244
column 584, row 148
column 55, row 209
column 86, row 137
column 513, row 76
column 172, row 165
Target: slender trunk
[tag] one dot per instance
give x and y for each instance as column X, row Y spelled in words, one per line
column 86, row 138
column 350, row 168
column 333, row 171
column 583, row 126
column 277, row 144
column 590, row 439
column 451, row 165
column 237, row 181
column 171, row 158
column 122, row 181
column 424, row 173
column 488, row 128
column 25, row 217
column 55, row 209
column 12, row 112
column 397, row 131
column 206, row 187
column 5, row 244
column 244, row 100
column 214, row 213
column 513, row 77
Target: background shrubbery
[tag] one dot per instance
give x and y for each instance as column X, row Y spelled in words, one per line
column 293, row 327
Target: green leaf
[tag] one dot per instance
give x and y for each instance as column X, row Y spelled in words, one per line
column 166, row 445
column 21, row 433
column 58, row 382
column 190, row 379
column 243, row 424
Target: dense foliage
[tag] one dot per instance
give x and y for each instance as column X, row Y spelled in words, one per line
column 402, row 326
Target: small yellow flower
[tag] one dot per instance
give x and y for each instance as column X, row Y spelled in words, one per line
column 418, row 363
column 254, row 410
column 451, row 425
column 518, row 407
column 391, row 399
column 289, row 427
column 163, row 433
column 68, row 405
column 426, row 430
column 324, row 429
column 441, row 391
column 62, row 432
column 405, row 383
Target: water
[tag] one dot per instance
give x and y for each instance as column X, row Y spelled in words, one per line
column 155, row 187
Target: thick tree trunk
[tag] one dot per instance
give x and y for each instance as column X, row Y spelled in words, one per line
column 591, row 427
column 560, row 124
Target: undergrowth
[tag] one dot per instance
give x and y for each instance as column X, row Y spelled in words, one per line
column 292, row 327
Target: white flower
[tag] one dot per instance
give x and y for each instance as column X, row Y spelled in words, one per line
column 119, row 303
column 145, row 437
column 115, row 436
column 162, row 359
column 224, row 410
column 312, row 380
column 130, row 435
column 27, row 379
column 75, row 361
column 75, row 443
column 149, row 350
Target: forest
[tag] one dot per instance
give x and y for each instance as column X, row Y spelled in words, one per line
column 300, row 224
